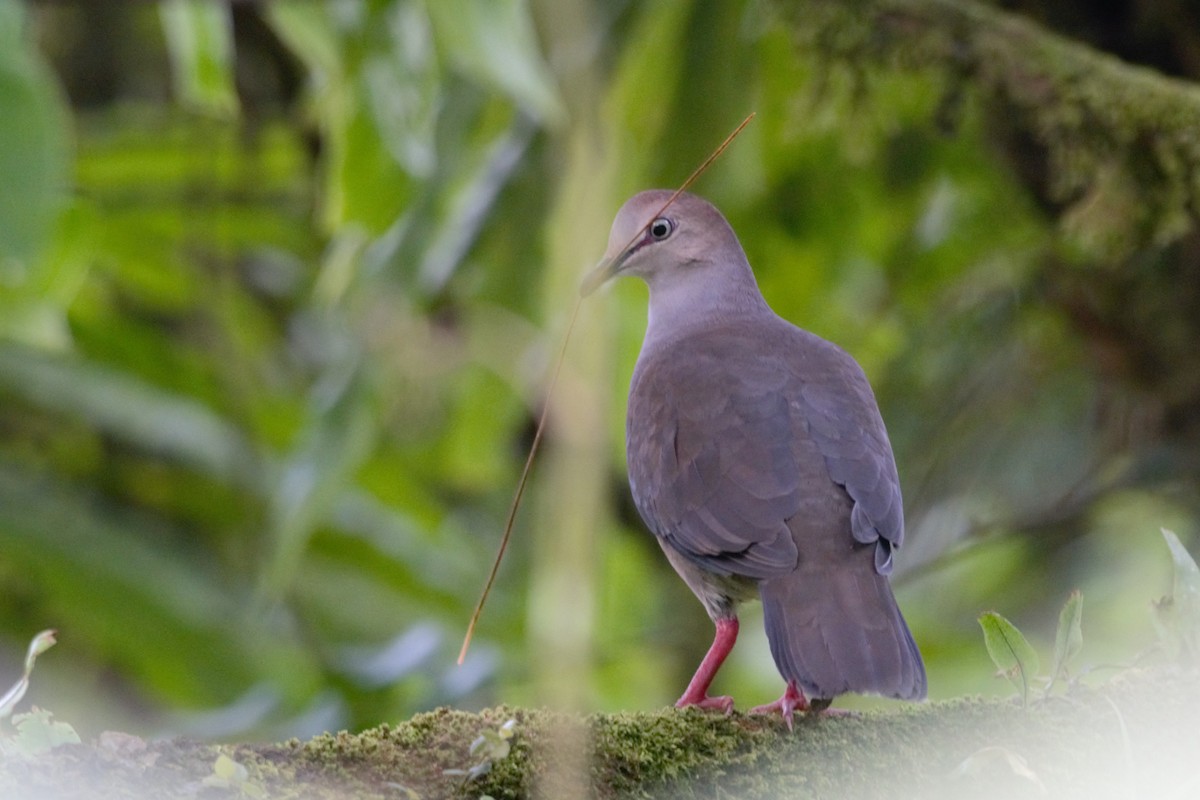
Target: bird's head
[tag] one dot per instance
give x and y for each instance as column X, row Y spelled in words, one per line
column 661, row 240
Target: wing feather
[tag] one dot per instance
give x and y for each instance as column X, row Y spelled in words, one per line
column 731, row 432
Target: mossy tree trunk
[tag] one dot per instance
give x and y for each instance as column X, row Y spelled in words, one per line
column 1110, row 151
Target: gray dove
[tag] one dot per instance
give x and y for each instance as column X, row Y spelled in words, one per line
column 758, row 458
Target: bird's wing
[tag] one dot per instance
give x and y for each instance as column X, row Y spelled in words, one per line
column 711, row 461
column 730, row 435
column 842, row 417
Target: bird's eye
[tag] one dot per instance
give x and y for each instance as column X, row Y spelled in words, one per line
column 661, row 228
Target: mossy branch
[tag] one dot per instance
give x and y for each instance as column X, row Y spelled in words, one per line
column 1136, row 731
column 1114, row 148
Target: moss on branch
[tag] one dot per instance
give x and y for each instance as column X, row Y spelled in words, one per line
column 1135, row 732
column 1115, row 148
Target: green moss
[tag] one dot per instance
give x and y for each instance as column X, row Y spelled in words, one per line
column 1089, row 743
column 1120, row 143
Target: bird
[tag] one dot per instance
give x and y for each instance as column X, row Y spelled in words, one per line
column 758, row 458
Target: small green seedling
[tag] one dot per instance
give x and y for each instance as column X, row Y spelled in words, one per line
column 1018, row 661
column 36, row 731
column 488, row 748
column 1068, row 639
column 1011, row 652
column 40, row 644
column 229, row 774
column 1177, row 616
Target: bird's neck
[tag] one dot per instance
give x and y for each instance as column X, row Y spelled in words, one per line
column 681, row 307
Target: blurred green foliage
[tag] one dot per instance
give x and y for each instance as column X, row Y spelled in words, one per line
column 279, row 289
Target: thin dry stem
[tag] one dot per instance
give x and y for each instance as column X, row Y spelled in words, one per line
column 541, row 426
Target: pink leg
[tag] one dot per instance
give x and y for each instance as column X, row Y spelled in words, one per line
column 793, row 700
column 696, row 693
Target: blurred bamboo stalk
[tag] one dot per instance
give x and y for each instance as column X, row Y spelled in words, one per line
column 572, row 512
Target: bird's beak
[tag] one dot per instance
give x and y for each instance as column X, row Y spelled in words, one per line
column 598, row 276
column 605, row 269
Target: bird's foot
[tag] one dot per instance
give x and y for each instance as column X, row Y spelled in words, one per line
column 696, row 694
column 792, row 700
column 724, row 703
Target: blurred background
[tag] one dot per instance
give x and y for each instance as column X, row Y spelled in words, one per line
column 281, row 285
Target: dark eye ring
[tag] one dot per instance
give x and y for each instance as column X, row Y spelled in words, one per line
column 661, row 228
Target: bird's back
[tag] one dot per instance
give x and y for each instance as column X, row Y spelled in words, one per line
column 756, row 451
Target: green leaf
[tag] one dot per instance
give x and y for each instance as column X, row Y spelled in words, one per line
column 37, row 732
column 306, row 30
column 508, row 729
column 124, row 406
column 1068, row 639
column 1178, row 616
column 34, row 148
column 227, row 769
column 339, row 436
column 182, row 627
column 404, row 88
column 200, row 41
column 1010, row 651
column 229, row 774
column 652, row 65
column 469, row 196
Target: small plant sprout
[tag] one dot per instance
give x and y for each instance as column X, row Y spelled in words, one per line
column 1068, row 639
column 40, row 644
column 1015, row 657
column 36, row 730
column 488, row 748
column 1177, row 616
column 229, row 774
column 1011, row 652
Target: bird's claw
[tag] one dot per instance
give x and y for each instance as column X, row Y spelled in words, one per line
column 724, row 703
column 792, row 700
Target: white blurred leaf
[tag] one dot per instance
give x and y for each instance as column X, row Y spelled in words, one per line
column 471, row 196
column 403, row 88
column 313, row 476
column 988, row 758
column 493, row 41
column 1180, row 612
column 1068, row 639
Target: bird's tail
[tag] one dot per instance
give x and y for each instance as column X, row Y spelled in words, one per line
column 841, row 631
